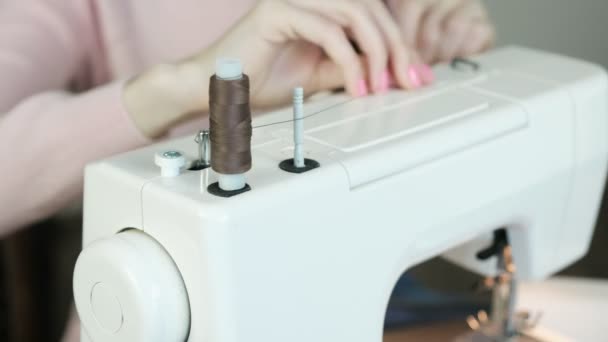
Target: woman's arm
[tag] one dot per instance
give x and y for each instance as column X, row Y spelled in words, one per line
column 47, row 134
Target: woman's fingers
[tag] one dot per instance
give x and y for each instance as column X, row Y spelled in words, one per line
column 467, row 31
column 432, row 27
column 296, row 23
column 452, row 28
column 333, row 26
column 456, row 29
column 328, row 76
column 357, row 18
column 400, row 56
column 480, row 37
column 408, row 15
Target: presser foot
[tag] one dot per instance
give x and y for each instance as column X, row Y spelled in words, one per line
column 485, row 330
column 483, row 337
column 503, row 324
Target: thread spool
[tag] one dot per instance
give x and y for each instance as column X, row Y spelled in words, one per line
column 230, row 124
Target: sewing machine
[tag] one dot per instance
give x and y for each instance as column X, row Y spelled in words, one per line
column 508, row 148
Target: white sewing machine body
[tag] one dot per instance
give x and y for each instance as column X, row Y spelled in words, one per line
column 521, row 143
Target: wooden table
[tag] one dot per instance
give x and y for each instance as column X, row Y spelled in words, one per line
column 444, row 332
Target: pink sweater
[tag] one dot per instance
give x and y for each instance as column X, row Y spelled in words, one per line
column 63, row 63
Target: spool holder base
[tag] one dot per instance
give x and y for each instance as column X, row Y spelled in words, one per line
column 197, row 165
column 215, row 189
column 288, row 165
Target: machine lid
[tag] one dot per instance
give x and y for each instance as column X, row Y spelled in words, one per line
column 375, row 140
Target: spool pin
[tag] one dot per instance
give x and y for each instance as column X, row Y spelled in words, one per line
column 298, row 164
column 298, row 127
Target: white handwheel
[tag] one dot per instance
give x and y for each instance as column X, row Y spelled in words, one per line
column 128, row 289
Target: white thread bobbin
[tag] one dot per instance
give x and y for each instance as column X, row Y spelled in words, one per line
column 298, row 127
column 230, row 69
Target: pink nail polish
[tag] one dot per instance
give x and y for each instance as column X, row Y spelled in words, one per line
column 414, row 77
column 385, row 79
column 426, row 73
column 362, row 88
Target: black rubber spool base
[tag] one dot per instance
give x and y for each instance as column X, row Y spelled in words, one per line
column 215, row 189
column 460, row 63
column 309, row 164
column 197, row 166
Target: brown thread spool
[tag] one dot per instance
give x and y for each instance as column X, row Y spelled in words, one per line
column 230, row 127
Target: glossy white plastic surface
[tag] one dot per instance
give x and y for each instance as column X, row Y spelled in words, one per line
column 127, row 288
column 520, row 143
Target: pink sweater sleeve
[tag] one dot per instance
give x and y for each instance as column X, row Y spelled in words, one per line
column 48, row 134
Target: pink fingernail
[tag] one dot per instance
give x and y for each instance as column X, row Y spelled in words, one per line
column 425, row 71
column 362, row 88
column 385, row 80
column 414, row 77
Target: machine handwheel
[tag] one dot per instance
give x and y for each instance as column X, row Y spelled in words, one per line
column 127, row 289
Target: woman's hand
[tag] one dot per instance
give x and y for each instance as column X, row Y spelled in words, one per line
column 441, row 30
column 283, row 44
